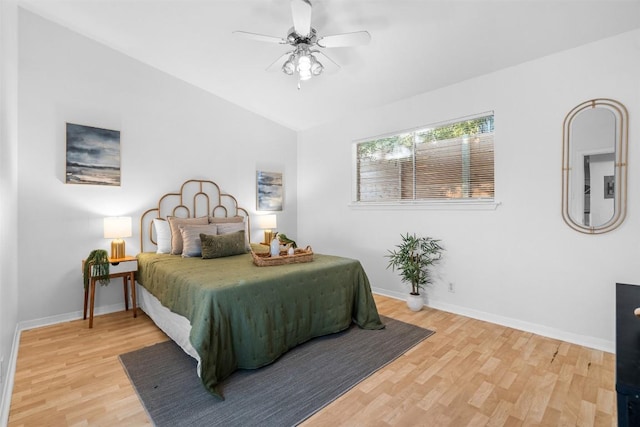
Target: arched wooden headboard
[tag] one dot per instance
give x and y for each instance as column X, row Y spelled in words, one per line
column 196, row 198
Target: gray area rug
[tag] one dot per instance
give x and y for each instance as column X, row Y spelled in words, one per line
column 285, row 393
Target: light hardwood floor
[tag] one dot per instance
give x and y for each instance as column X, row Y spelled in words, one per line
column 468, row 373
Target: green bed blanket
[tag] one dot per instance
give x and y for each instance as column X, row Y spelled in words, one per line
column 244, row 316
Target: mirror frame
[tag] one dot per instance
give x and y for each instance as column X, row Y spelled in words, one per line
column 621, row 147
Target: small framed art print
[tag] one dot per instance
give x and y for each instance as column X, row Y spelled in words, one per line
column 269, row 191
column 93, row 155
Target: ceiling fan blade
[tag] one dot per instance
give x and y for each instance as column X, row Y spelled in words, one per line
column 277, row 64
column 260, row 37
column 330, row 65
column 357, row 38
column 301, row 12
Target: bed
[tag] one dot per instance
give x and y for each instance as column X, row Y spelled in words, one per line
column 225, row 311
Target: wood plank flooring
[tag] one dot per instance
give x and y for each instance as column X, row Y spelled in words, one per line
column 469, row 373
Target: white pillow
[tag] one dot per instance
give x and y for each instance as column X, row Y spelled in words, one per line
column 163, row 236
column 191, row 244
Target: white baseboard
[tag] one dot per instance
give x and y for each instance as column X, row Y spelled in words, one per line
column 67, row 317
column 583, row 340
column 395, row 295
column 7, row 390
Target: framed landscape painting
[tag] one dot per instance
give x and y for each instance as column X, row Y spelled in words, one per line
column 269, row 191
column 93, row 155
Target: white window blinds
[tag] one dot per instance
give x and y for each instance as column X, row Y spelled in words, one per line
column 452, row 161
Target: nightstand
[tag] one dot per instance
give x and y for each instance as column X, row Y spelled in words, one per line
column 120, row 267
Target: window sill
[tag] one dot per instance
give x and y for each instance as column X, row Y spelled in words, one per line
column 440, row 205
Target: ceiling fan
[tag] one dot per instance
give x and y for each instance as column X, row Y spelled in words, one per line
column 305, row 42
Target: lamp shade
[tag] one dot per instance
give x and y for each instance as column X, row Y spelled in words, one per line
column 267, row 222
column 117, row 227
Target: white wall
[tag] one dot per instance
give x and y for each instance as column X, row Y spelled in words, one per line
column 520, row 264
column 170, row 132
column 8, row 193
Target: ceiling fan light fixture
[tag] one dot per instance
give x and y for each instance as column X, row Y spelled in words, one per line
column 316, row 66
column 288, row 68
column 304, row 74
column 304, row 63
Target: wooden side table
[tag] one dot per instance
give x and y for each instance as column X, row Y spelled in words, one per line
column 120, row 267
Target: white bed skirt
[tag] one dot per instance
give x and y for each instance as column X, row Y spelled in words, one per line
column 175, row 326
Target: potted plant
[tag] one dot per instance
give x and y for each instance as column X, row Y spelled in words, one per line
column 98, row 260
column 412, row 258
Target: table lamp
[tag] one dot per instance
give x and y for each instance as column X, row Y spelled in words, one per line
column 269, row 224
column 116, row 228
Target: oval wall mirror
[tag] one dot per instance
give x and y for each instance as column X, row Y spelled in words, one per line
column 594, row 166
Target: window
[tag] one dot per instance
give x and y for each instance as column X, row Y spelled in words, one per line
column 452, row 161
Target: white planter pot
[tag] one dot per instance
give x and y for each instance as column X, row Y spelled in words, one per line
column 415, row 302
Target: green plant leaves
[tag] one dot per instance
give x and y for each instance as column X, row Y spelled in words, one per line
column 412, row 259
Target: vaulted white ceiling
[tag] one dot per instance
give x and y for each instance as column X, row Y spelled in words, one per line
column 417, row 45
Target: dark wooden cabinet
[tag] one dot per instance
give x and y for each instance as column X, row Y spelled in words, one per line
column 628, row 354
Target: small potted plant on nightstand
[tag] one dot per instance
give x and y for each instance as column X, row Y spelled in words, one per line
column 412, row 258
